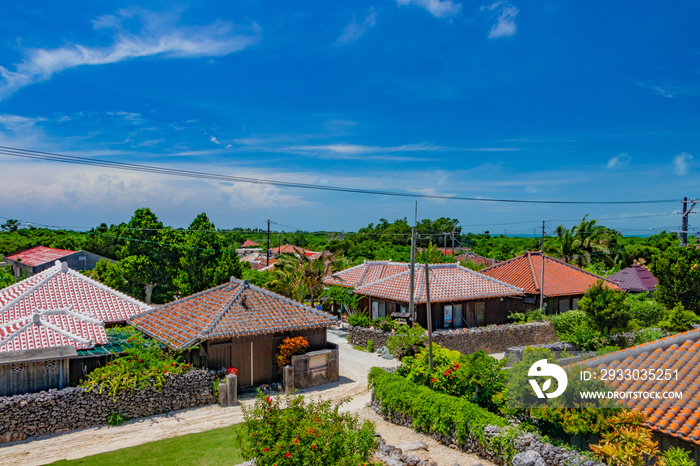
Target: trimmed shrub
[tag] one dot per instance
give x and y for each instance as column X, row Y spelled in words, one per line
column 644, row 311
column 678, row 320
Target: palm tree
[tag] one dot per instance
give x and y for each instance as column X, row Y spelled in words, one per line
column 565, row 248
column 590, row 238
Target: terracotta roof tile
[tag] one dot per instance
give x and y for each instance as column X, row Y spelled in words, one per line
column 54, row 289
column 230, row 310
column 560, row 278
column 675, row 417
column 367, row 272
column 39, row 255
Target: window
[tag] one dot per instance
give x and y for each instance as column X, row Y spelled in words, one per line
column 480, row 313
column 49, row 365
column 17, row 368
column 563, row 305
column 375, row 309
column 382, row 309
column 457, row 318
column 575, row 304
column 447, row 322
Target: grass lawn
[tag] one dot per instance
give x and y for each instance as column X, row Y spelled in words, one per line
column 213, row 447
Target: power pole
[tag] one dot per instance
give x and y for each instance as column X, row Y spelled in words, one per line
column 430, row 317
column 268, row 243
column 445, row 242
column 412, row 286
column 684, row 220
column 542, row 277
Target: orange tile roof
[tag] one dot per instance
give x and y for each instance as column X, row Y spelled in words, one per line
column 448, row 282
column 560, row 278
column 367, row 272
column 39, row 255
column 233, row 309
column 249, row 244
column 681, row 353
column 291, row 249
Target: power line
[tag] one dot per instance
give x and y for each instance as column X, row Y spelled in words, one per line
column 54, row 157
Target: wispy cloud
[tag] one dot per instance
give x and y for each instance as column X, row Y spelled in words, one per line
column 681, row 162
column 505, row 24
column 437, row 8
column 670, row 90
column 159, row 35
column 355, row 30
column 619, row 161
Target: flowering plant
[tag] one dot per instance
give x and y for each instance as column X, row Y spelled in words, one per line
column 290, row 431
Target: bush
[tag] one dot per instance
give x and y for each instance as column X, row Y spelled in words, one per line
column 144, row 365
column 359, row 320
column 432, row 411
column 678, row 320
column 477, row 377
column 648, row 334
column 289, row 347
column 676, row 456
column 567, row 322
column 301, row 433
column 384, row 323
column 606, row 307
column 116, row 419
column 645, row 311
column 627, row 441
column 407, row 341
column 370, row 346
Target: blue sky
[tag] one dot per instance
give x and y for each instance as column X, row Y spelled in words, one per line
column 523, row 100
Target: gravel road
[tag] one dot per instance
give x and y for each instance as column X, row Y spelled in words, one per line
column 354, row 367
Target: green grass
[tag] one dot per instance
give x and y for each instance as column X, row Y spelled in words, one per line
column 213, row 447
column 361, row 348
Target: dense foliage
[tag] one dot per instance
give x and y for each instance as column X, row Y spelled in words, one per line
column 678, row 272
column 145, row 364
column 292, row 431
column 605, row 307
column 289, row 347
column 407, row 341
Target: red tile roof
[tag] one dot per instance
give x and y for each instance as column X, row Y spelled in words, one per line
column 230, row 310
column 58, row 289
column 635, row 278
column 39, row 255
column 367, row 272
column 477, row 259
column 560, row 278
column 448, row 282
column 291, row 249
column 675, row 417
column 249, row 244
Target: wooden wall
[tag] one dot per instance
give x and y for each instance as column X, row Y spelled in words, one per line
column 236, row 352
column 29, row 377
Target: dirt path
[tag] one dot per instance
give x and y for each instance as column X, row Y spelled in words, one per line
column 354, row 367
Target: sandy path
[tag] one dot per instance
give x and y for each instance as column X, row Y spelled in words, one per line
column 354, row 367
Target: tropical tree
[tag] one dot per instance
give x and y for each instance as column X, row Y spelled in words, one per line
column 606, row 307
column 678, row 272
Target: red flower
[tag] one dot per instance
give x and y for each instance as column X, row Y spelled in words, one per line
column 173, row 364
column 296, row 440
column 269, row 400
column 266, row 449
column 434, row 380
column 139, row 360
column 117, row 362
column 287, row 455
column 165, row 371
column 456, row 365
column 447, row 372
column 313, row 447
column 311, row 431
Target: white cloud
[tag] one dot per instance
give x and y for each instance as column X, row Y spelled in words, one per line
column 355, row 30
column 618, row 161
column 438, row 8
column 505, row 25
column 214, row 140
column 672, row 91
column 158, row 36
column 680, row 162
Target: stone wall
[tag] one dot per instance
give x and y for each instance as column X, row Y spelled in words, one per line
column 492, row 339
column 552, row 455
column 314, row 368
column 55, row 411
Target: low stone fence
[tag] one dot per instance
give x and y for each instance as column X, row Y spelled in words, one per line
column 492, row 339
column 55, row 411
column 313, row 368
column 527, row 445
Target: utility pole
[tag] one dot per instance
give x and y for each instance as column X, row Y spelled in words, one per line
column 445, row 242
column 684, row 220
column 542, row 277
column 412, row 286
column 268, row 243
column 430, row 317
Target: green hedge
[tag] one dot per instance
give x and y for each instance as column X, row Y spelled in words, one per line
column 432, row 411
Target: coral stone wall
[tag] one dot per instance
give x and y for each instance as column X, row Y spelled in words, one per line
column 55, row 411
column 492, row 339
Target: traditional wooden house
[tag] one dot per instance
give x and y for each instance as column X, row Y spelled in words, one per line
column 562, row 284
column 38, row 258
column 235, row 325
column 459, row 297
column 53, row 310
column 635, row 279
